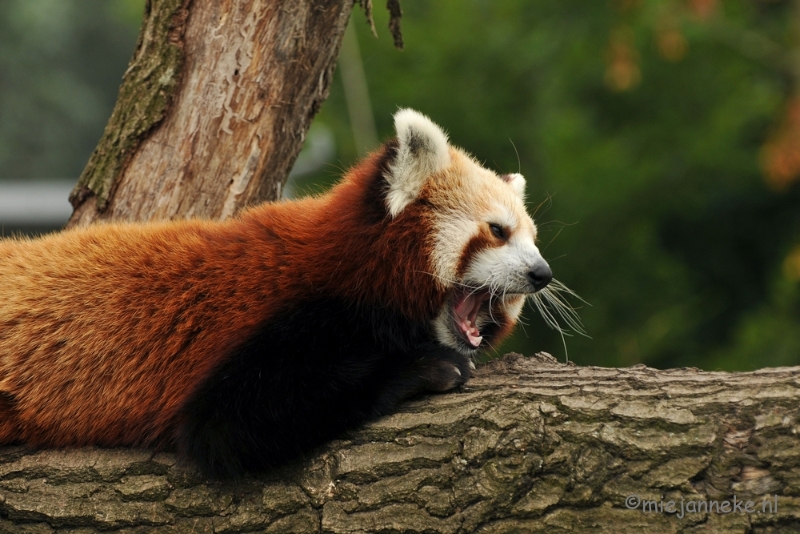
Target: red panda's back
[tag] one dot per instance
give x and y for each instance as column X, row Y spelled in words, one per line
column 104, row 331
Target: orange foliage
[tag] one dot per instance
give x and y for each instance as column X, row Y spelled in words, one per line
column 791, row 265
column 702, row 9
column 672, row 45
column 622, row 61
column 780, row 155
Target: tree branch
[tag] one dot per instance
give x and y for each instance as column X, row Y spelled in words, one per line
column 530, row 445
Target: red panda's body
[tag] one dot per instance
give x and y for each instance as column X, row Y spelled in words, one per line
column 242, row 343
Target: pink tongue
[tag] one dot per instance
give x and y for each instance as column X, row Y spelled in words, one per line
column 467, row 314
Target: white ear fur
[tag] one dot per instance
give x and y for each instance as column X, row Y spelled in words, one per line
column 517, row 183
column 422, row 150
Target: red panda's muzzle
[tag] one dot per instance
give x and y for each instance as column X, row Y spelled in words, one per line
column 467, row 304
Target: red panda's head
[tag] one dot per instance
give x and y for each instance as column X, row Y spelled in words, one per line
column 482, row 242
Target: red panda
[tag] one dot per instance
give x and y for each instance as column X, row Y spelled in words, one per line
column 244, row 343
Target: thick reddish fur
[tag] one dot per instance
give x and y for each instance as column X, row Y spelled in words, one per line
column 174, row 308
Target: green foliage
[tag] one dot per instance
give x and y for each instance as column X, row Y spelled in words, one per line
column 61, row 63
column 640, row 125
column 650, row 200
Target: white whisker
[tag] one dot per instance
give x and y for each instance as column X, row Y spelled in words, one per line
column 551, row 303
column 553, row 299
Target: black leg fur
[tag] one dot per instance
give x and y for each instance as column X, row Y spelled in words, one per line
column 325, row 368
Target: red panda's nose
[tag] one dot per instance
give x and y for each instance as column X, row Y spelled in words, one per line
column 540, row 275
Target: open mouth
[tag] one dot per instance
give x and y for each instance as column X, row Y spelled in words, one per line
column 467, row 304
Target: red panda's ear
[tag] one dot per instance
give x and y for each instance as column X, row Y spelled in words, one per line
column 422, row 150
column 517, row 183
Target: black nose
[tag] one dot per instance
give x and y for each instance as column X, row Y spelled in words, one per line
column 540, row 276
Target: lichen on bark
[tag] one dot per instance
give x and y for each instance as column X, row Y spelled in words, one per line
column 151, row 79
column 214, row 109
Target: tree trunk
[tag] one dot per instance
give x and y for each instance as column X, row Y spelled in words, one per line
column 530, row 445
column 213, row 108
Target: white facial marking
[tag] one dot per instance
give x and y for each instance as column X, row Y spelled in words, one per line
column 453, row 234
column 443, row 328
column 513, row 306
column 503, row 216
column 422, row 151
column 505, row 269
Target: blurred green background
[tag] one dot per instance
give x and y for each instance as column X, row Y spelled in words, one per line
column 660, row 140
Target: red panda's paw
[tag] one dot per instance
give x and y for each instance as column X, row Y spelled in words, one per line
column 444, row 375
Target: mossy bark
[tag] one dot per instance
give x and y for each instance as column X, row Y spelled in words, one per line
column 530, row 445
column 148, row 87
column 213, row 108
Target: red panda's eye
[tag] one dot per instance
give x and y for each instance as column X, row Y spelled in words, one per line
column 498, row 231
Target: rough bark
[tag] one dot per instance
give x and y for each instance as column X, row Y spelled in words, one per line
column 213, row 108
column 530, row 445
